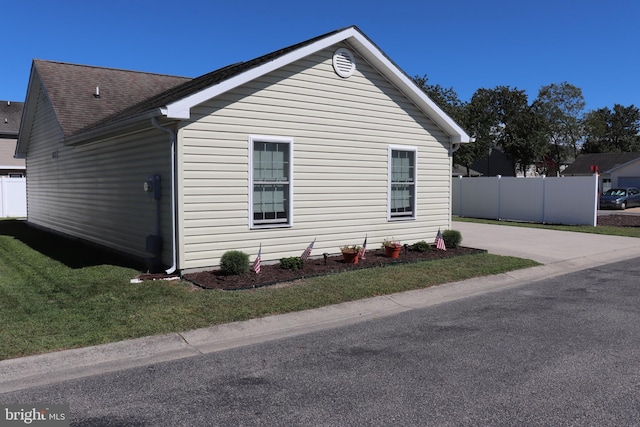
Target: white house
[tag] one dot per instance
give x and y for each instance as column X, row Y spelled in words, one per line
column 613, row 169
column 327, row 139
column 10, row 115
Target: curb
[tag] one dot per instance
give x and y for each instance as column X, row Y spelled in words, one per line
column 50, row 368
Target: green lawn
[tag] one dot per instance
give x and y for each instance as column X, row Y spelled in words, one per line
column 56, row 294
column 614, row 231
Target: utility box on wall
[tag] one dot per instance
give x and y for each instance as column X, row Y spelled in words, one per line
column 152, row 185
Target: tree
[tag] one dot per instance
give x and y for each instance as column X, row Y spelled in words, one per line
column 447, row 99
column 561, row 106
column 502, row 117
column 612, row 131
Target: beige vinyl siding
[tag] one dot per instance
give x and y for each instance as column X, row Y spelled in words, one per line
column 95, row 192
column 341, row 130
column 9, row 164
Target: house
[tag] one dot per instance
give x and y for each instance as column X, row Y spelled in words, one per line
column 494, row 164
column 459, row 170
column 10, row 115
column 615, row 169
column 325, row 140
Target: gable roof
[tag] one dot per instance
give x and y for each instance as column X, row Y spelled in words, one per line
column 126, row 96
column 71, row 89
column 10, row 116
column 179, row 108
column 200, row 83
column 606, row 162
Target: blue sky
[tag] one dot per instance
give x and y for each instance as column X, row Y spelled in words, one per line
column 463, row 44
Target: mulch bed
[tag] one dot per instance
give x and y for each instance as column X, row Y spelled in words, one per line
column 619, row 220
column 273, row 274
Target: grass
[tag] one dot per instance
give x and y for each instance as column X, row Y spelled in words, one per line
column 613, row 231
column 57, row 294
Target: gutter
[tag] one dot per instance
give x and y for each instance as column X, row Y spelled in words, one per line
column 86, row 137
column 172, row 141
column 455, row 145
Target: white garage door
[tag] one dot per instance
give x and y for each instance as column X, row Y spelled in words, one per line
column 629, row 181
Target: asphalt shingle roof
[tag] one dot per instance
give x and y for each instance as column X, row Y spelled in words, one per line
column 125, row 94
column 604, row 161
column 71, row 90
column 10, row 116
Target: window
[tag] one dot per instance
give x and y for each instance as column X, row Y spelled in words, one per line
column 270, row 181
column 402, row 183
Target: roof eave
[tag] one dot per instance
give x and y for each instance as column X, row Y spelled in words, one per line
column 24, row 134
column 181, row 109
column 114, row 127
column 399, row 78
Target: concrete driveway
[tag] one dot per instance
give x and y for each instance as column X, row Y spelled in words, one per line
column 547, row 246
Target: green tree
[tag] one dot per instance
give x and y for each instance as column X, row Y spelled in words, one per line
column 447, row 99
column 612, row 131
column 502, row 118
column 561, row 106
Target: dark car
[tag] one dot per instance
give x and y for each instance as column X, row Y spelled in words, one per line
column 620, row 198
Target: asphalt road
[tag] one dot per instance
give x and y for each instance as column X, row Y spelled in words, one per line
column 562, row 351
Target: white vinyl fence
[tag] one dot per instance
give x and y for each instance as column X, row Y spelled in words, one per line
column 13, row 197
column 553, row 200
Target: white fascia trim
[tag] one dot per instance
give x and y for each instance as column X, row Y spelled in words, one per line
column 181, row 109
column 616, row 167
column 409, row 88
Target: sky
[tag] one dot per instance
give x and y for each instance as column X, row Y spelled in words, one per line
column 461, row 44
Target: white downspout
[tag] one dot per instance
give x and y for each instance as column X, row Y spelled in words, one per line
column 172, row 140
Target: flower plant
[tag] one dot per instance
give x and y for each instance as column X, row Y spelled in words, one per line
column 391, row 243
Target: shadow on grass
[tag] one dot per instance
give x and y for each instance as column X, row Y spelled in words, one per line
column 73, row 253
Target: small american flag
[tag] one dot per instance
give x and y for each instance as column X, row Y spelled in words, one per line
column 256, row 263
column 364, row 248
column 307, row 251
column 440, row 241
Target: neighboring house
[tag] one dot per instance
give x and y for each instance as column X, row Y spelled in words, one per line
column 615, row 169
column 327, row 140
column 459, row 170
column 10, row 115
column 496, row 163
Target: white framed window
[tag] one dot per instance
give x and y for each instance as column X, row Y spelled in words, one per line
column 270, row 181
column 402, row 182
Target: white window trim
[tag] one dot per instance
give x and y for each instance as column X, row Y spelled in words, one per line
column 274, row 139
column 390, row 149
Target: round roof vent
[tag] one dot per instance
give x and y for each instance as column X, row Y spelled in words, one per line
column 344, row 62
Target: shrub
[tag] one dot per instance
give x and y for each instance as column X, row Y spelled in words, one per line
column 421, row 246
column 234, row 263
column 452, row 238
column 292, row 263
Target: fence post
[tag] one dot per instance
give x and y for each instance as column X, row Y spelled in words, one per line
column 3, row 196
column 460, row 210
column 499, row 197
column 544, row 196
